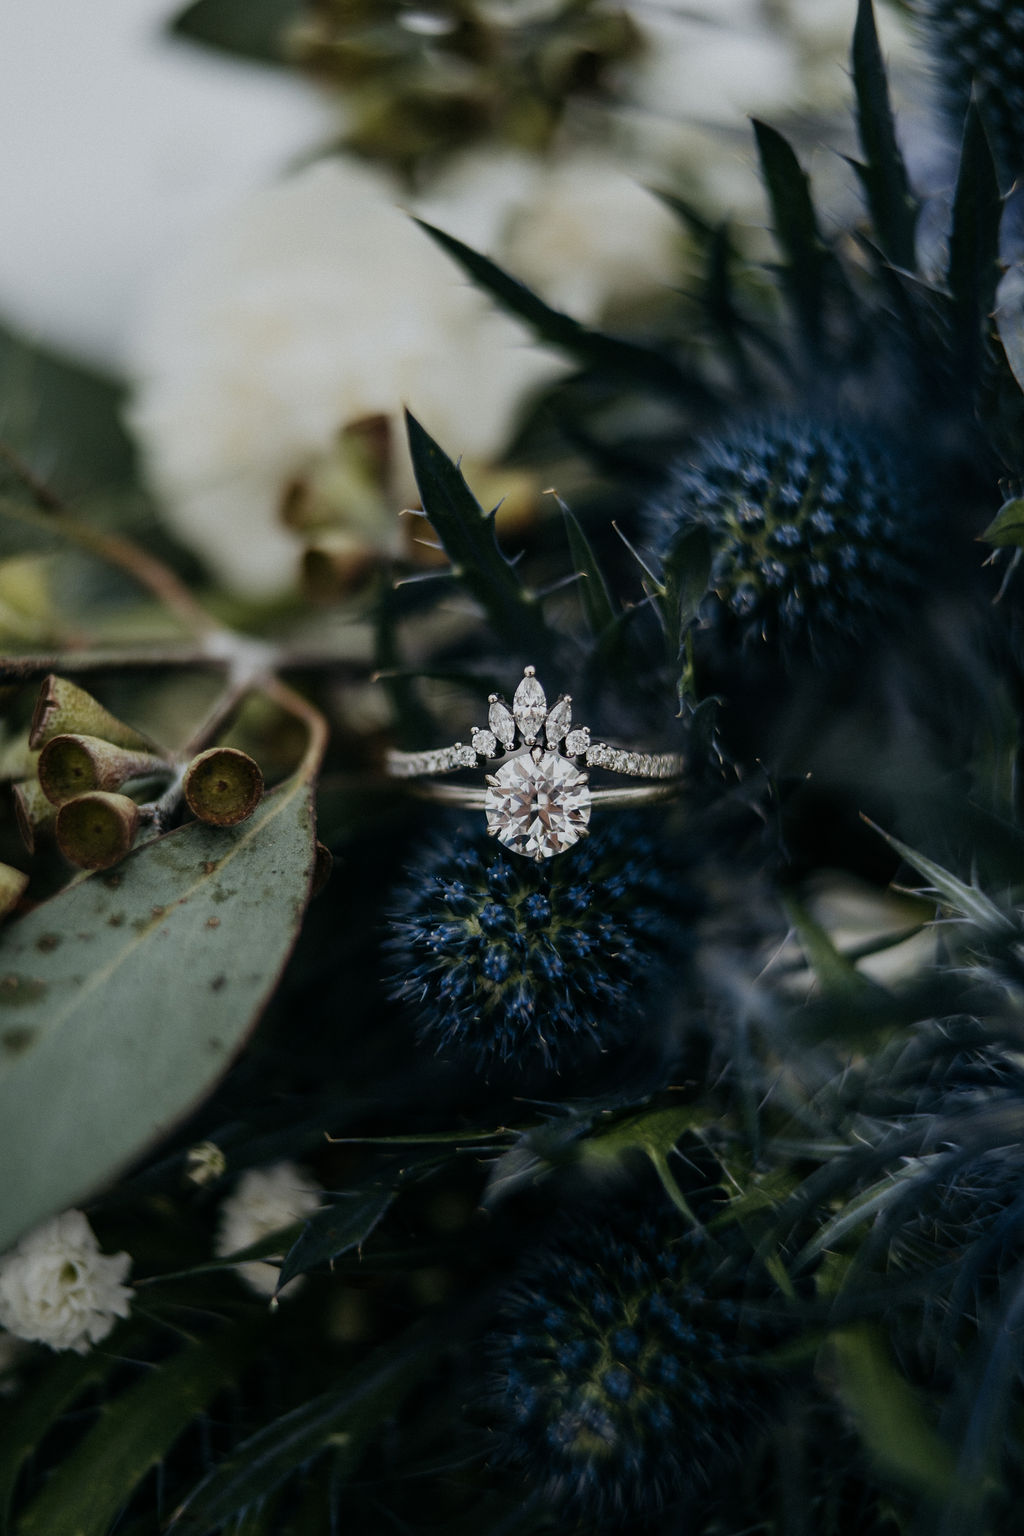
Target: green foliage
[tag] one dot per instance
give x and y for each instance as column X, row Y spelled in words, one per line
column 104, row 1025
column 254, row 31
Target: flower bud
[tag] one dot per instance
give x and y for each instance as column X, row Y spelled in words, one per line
column 223, row 786
column 32, row 810
column 72, row 765
column 64, row 708
column 12, row 888
column 96, row 830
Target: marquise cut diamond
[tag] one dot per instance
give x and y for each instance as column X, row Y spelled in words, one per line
column 538, row 804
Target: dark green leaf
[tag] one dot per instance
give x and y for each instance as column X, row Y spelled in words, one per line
column 124, row 998
column 686, row 577
column 796, row 229
column 61, row 419
column 468, row 535
column 1006, row 530
column 973, row 271
column 335, row 1230
column 41, row 1404
column 894, row 209
column 596, row 600
column 891, row 1419
column 134, row 1433
column 639, row 365
column 345, row 1418
column 254, row 29
column 836, row 974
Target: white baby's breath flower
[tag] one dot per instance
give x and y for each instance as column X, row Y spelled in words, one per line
column 317, row 304
column 57, row 1288
column 263, row 1201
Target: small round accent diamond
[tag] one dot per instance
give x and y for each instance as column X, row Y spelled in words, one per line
column 538, row 804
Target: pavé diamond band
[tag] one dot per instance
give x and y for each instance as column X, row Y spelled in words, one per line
column 538, row 800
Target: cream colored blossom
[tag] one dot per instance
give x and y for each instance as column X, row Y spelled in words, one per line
column 57, row 1288
column 316, row 304
column 263, row 1202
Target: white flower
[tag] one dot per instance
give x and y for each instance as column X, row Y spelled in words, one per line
column 317, row 304
column 264, row 1201
column 579, row 227
column 56, row 1287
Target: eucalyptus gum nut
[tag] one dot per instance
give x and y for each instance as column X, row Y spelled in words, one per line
column 12, row 888
column 17, row 760
column 222, row 786
column 97, row 829
column 63, row 709
column 32, row 810
column 72, row 765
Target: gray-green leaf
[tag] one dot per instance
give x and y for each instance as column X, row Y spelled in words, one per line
column 124, row 998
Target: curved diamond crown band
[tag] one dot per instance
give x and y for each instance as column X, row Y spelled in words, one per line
column 538, row 801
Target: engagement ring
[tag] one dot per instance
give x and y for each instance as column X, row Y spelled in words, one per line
column 538, row 799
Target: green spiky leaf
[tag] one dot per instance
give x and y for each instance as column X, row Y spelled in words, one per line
column 973, row 271
column 335, row 1230
column 807, row 258
column 1006, row 530
column 639, row 365
column 470, row 542
column 894, row 208
column 595, row 598
column 255, row 30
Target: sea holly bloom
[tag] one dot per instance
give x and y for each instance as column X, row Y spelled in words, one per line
column 619, row 1379
column 508, row 962
column 813, row 532
column 57, row 1288
column 978, row 46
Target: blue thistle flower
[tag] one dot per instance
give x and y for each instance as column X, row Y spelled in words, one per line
column 812, row 532
column 510, row 962
column 619, row 1380
column 979, row 45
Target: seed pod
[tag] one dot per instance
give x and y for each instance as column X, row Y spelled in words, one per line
column 96, row 830
column 32, row 810
column 223, row 786
column 12, row 888
column 65, row 709
column 73, row 765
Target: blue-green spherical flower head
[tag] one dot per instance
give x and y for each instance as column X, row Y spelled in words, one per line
column 978, row 45
column 812, row 529
column 619, row 1382
column 506, row 962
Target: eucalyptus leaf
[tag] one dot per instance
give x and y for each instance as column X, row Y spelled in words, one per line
column 335, row 1230
column 468, row 535
column 132, row 1435
column 125, row 997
